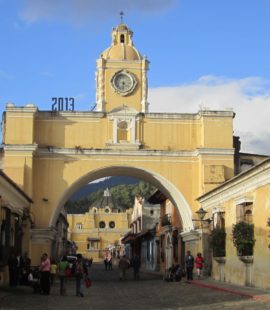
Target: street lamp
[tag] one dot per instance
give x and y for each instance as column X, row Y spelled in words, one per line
column 201, row 214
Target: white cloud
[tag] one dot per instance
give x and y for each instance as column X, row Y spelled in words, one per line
column 79, row 11
column 249, row 98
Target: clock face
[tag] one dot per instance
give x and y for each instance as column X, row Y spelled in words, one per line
column 123, row 82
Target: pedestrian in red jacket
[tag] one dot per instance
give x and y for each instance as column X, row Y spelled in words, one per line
column 199, row 264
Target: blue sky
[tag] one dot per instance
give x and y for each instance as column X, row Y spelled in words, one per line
column 203, row 54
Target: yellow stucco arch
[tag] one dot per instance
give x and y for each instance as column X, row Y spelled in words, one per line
column 51, row 154
column 164, row 185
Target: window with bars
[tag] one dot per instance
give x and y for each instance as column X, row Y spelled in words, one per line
column 244, row 212
column 79, row 225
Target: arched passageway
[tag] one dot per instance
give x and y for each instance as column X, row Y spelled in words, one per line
column 151, row 177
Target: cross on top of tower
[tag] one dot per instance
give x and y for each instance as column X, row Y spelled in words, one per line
column 122, row 16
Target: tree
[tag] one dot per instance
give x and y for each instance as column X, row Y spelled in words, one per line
column 123, row 195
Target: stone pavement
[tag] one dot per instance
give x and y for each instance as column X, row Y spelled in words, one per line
column 149, row 293
column 208, row 282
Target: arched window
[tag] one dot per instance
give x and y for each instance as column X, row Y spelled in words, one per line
column 102, row 224
column 79, row 225
column 122, row 131
column 122, row 38
column 248, row 217
column 107, row 210
column 112, row 224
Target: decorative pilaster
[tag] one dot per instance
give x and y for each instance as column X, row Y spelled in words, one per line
column 100, row 86
column 144, row 102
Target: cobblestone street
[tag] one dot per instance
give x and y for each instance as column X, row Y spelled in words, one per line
column 150, row 293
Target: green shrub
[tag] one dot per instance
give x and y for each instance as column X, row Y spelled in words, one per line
column 219, row 242
column 243, row 238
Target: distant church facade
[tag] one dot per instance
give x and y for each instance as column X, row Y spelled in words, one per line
column 100, row 229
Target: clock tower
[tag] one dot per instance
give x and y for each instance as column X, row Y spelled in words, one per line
column 121, row 76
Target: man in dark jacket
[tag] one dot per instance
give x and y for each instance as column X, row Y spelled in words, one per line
column 136, row 264
column 189, row 262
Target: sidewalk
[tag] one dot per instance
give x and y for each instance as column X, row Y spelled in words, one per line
column 245, row 291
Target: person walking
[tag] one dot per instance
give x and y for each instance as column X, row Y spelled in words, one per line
column 13, row 269
column 109, row 261
column 123, row 266
column 63, row 265
column 53, row 271
column 105, row 262
column 199, row 264
column 45, row 268
column 80, row 273
column 136, row 264
column 189, row 262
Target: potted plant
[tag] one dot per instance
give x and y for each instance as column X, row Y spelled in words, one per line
column 243, row 238
column 218, row 242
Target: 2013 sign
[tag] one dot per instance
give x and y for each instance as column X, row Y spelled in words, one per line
column 63, row 104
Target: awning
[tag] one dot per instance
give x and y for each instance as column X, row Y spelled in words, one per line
column 129, row 238
column 145, row 233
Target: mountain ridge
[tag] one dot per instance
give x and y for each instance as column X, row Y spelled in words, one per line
column 109, row 182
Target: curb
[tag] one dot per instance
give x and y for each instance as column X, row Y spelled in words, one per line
column 231, row 291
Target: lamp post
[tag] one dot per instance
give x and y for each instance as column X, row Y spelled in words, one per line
column 204, row 238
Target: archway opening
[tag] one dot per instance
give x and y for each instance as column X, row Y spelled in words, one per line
column 92, row 223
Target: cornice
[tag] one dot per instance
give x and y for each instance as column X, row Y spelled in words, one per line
column 20, row 147
column 189, row 236
column 213, row 113
column 41, row 236
column 238, row 186
column 192, row 116
column 28, row 108
column 64, row 115
column 50, row 150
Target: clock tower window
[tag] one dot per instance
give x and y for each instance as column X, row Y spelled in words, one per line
column 123, row 132
column 122, row 38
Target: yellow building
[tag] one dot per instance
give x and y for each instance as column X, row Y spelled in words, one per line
column 244, row 198
column 51, row 154
column 16, row 221
column 100, row 229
